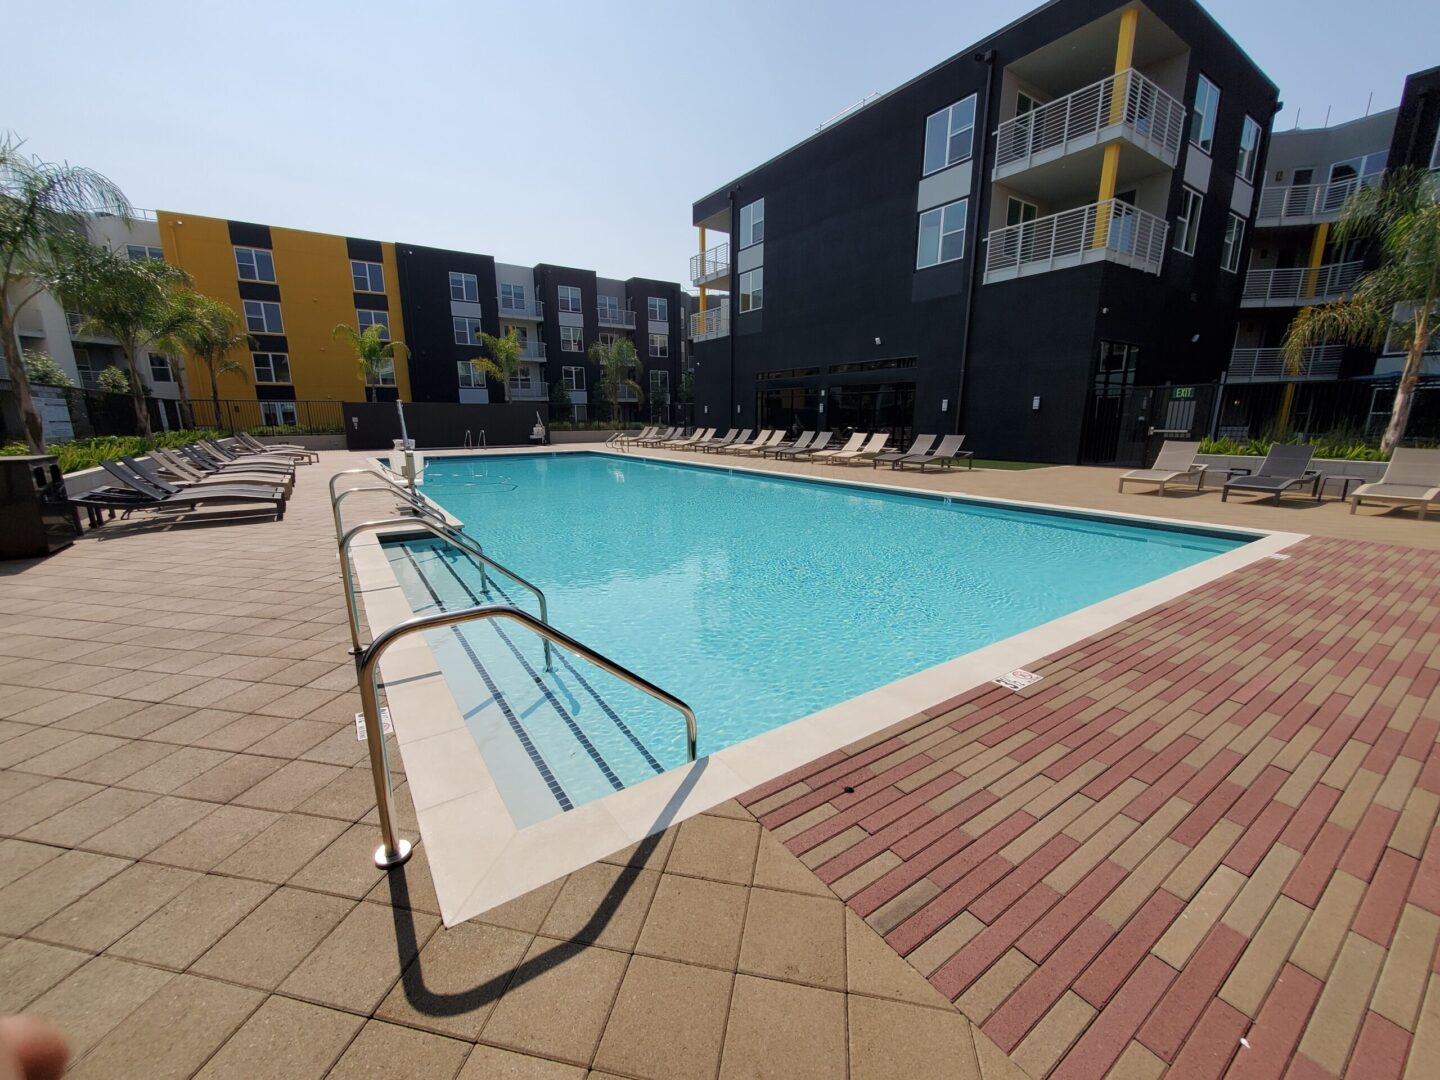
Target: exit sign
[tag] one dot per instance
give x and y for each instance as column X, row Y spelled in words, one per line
column 1180, row 392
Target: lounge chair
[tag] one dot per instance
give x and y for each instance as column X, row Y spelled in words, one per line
column 249, row 442
column 139, row 493
column 798, row 451
column 764, row 440
column 636, row 436
column 714, row 446
column 183, row 468
column 944, row 455
column 920, row 446
column 845, row 457
column 150, row 472
column 653, row 435
column 855, row 442
column 1412, row 478
column 1286, row 466
column 1176, row 461
column 805, row 439
column 693, row 439
column 209, row 458
column 226, row 453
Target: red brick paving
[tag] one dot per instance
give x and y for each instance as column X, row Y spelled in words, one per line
column 1123, row 831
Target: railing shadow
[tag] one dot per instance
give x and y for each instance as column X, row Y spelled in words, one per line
column 430, row 1002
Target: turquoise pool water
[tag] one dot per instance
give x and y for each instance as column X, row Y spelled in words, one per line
column 758, row 600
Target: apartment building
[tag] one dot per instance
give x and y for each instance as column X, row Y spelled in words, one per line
column 1005, row 246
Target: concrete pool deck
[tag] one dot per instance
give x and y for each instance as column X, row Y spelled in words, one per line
column 1214, row 821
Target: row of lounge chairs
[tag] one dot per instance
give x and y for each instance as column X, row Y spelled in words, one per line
column 1412, row 476
column 808, row 446
column 245, row 472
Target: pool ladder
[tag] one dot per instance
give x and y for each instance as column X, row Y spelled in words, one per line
column 423, row 514
column 470, row 443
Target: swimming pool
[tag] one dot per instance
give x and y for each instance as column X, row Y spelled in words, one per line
column 757, row 599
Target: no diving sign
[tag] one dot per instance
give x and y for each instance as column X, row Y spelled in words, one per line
column 385, row 724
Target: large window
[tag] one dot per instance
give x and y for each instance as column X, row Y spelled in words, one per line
column 752, row 223
column 752, row 289
column 571, row 339
column 569, row 297
column 1234, row 244
column 160, row 369
column 658, row 309
column 263, row 317
column 464, row 288
column 942, row 234
column 367, row 276
column 271, row 367
column 254, row 264
column 659, row 387
column 1249, row 150
column 572, row 378
column 609, row 308
column 1187, row 221
column 278, row 413
column 467, row 331
column 368, row 319
column 470, row 379
column 383, row 375
column 660, row 346
column 141, row 252
column 512, row 297
column 1202, row 116
column 950, row 135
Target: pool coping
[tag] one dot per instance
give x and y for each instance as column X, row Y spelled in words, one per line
column 479, row 859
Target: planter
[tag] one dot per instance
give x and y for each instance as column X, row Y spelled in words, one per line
column 1371, row 470
column 560, row 437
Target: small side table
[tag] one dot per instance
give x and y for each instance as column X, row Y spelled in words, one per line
column 1345, row 482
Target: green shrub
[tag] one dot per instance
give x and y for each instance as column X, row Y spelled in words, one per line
column 113, row 380
column 594, row 425
column 1342, row 445
column 88, row 453
column 41, row 367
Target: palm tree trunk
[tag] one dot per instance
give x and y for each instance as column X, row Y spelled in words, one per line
column 15, row 368
column 1409, row 379
column 137, row 392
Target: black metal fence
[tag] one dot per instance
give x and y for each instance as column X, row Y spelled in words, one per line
column 268, row 417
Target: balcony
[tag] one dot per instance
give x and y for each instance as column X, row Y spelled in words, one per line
column 1110, row 231
column 528, row 390
column 621, row 317
column 522, row 309
column 1127, row 106
column 712, row 323
column 532, row 350
column 711, row 267
column 1268, row 365
column 1308, row 204
column 628, row 395
column 1299, row 285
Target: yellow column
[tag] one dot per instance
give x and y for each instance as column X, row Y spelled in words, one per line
column 1110, row 167
column 1317, row 255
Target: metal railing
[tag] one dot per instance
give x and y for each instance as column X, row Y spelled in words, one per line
column 522, row 309
column 269, row 417
column 622, row 317
column 534, row 390
column 710, row 264
column 532, row 350
column 1126, row 100
column 1268, row 365
column 1308, row 201
column 1111, row 231
column 1300, row 284
column 711, row 323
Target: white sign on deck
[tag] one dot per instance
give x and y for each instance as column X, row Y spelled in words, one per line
column 385, row 724
column 1018, row 679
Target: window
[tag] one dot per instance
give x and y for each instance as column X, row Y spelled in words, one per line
column 752, row 223
column 752, row 289
column 271, row 367
column 942, row 234
column 470, row 379
column 367, row 276
column 263, row 317
column 660, row 387
column 609, row 309
column 254, row 264
column 1202, row 116
column 1249, row 150
column 569, row 297
column 141, row 252
column 571, row 339
column 521, row 381
column 608, row 339
column 1187, row 221
column 374, row 318
column 467, row 331
column 1018, row 211
column 278, row 413
column 383, row 375
column 160, row 369
column 1230, row 251
column 660, row 346
column 464, row 287
column 512, row 297
column 950, row 135
column 658, row 309
column 573, row 378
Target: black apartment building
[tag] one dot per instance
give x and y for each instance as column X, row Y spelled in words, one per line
column 1006, row 246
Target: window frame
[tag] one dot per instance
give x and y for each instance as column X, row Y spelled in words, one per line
column 280, row 410
column 270, row 366
column 950, row 132
column 169, row 376
column 1191, row 232
column 370, row 269
column 147, row 252
column 578, row 339
column 472, row 325
column 465, row 369
column 1206, row 118
column 255, row 263
column 748, row 294
column 608, row 307
column 469, row 283
column 963, row 231
column 563, row 297
column 264, row 307
column 572, row 377
column 379, row 378
column 1233, row 245
column 663, row 340
column 661, row 376
column 518, row 297
column 382, row 320
column 752, row 223
column 659, row 304
column 1247, row 160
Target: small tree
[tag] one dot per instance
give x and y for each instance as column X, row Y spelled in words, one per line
column 559, row 400
column 373, row 354
column 503, row 361
column 1403, row 214
column 41, row 367
column 211, row 331
column 113, row 380
column 43, row 212
column 619, row 368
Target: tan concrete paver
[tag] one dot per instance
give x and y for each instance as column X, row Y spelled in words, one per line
column 459, row 975
column 784, row 1029
column 284, row 1039
column 195, row 919
column 274, row 938
column 389, row 1052
column 635, row 1045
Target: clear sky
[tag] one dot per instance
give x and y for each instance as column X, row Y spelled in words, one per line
column 560, row 131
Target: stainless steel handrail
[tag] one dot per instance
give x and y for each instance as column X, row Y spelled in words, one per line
column 393, row 850
column 387, row 484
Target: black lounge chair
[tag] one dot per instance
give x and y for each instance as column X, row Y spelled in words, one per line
column 139, row 493
column 248, row 442
column 148, row 471
column 1286, row 466
column 203, row 454
column 797, row 447
column 945, row 455
column 919, row 447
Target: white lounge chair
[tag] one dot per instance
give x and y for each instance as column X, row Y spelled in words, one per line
column 765, row 442
column 782, row 447
column 732, row 438
column 845, row 457
column 1175, row 462
column 800, row 449
column 1412, row 478
column 855, row 442
column 698, row 436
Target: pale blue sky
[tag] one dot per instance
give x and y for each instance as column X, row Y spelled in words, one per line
column 568, row 132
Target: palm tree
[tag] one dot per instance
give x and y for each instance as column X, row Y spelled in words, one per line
column 619, row 368
column 43, row 211
column 1399, row 300
column 503, row 363
column 130, row 301
column 373, row 354
column 210, row 333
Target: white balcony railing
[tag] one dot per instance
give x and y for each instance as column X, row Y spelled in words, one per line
column 627, row 394
column 522, row 309
column 712, row 264
column 1110, row 231
column 711, row 323
column 1304, row 203
column 621, row 317
column 1299, row 284
column 1127, row 104
column 532, row 350
column 1268, row 365
column 532, row 390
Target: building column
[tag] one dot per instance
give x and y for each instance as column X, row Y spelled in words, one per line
column 702, row 274
column 1110, row 167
